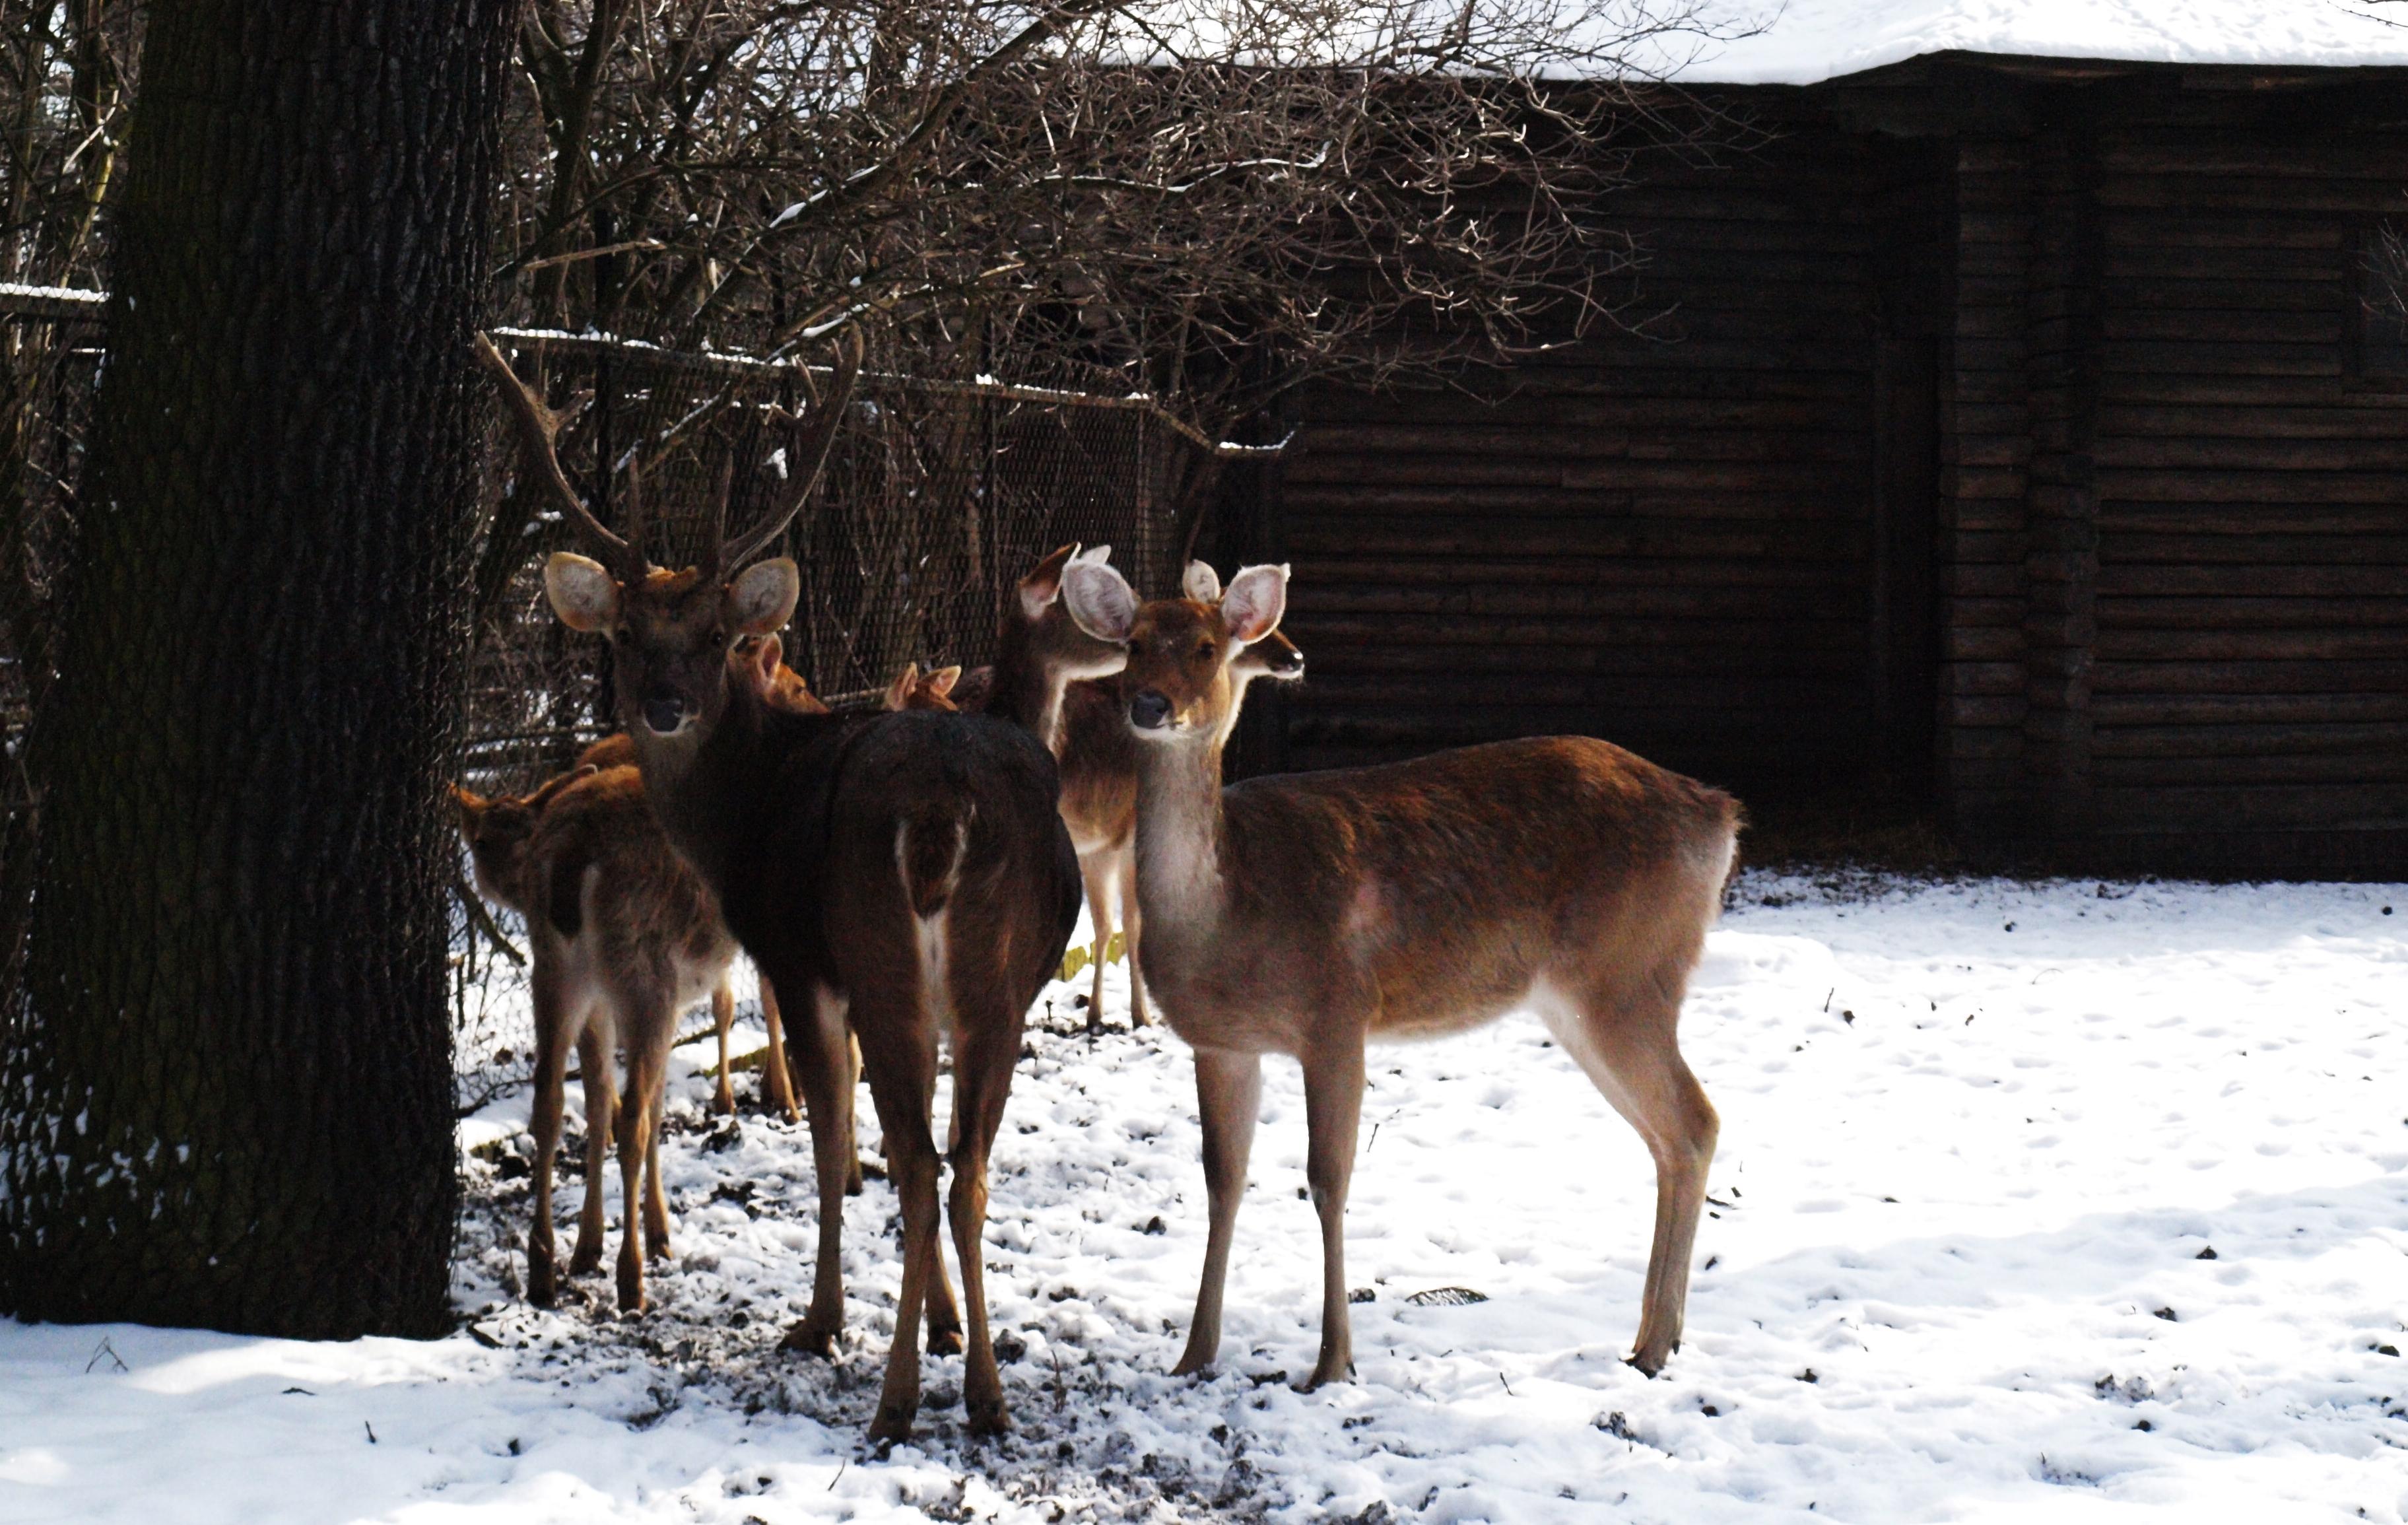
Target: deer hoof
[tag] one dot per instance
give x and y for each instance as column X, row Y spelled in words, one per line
column 724, row 1103
column 945, row 1342
column 811, row 1339
column 1646, row 1363
column 1326, row 1373
column 894, row 1421
column 543, row 1288
column 852, row 1179
column 988, row 1417
column 586, row 1260
column 1192, row 1364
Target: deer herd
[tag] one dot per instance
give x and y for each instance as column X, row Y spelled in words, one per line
column 912, row 876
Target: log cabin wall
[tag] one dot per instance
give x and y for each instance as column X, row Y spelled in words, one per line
column 2249, row 697
column 2020, row 442
column 1663, row 538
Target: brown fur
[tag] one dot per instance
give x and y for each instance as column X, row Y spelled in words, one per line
column 623, row 937
column 1042, row 652
column 1303, row 915
column 815, row 831
column 760, row 660
column 913, row 689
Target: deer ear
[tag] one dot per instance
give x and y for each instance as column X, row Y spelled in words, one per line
column 1256, row 598
column 767, row 660
column 762, row 598
column 1043, row 584
column 582, row 593
column 1201, row 583
column 1100, row 601
column 898, row 693
column 941, row 680
column 1097, row 554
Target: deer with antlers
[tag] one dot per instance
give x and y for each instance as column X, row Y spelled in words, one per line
column 906, row 873
column 1306, row 914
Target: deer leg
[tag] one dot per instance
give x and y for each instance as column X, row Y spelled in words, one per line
column 1333, row 1112
column 1095, row 870
column 818, row 1051
column 777, row 1082
column 1228, row 1097
column 900, row 1049
column 1631, row 1050
column 852, row 1100
column 595, row 1059
column 656, row 1200
column 543, row 1121
column 1132, row 920
column 722, row 1017
column 983, row 1065
column 648, row 1032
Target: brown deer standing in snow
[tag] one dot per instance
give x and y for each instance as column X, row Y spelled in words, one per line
column 1305, row 914
column 623, row 937
column 909, row 872
column 760, row 660
column 1053, row 678
column 1099, row 758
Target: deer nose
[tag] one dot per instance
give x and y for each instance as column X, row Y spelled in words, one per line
column 663, row 712
column 1149, row 710
column 1287, row 663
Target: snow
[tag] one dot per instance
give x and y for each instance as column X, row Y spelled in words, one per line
column 1977, row 1140
column 1804, row 42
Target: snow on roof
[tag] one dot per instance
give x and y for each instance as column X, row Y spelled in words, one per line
column 1807, row 41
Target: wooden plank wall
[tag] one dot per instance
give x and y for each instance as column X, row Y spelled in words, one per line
column 1660, row 540
column 1985, row 448
column 2252, row 665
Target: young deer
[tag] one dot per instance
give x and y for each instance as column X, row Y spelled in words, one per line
column 1098, row 760
column 910, row 871
column 623, row 938
column 760, row 660
column 1305, row 914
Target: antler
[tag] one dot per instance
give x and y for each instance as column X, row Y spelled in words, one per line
column 803, row 464
column 539, row 427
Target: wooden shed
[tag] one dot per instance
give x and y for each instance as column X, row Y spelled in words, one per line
column 2020, row 444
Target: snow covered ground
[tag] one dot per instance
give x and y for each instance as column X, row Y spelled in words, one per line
column 1979, row 1142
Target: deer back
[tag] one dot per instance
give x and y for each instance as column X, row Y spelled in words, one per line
column 646, row 909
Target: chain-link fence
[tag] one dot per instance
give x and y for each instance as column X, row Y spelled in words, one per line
column 938, row 495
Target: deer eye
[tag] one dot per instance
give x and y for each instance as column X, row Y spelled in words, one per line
column 718, row 639
column 1204, row 653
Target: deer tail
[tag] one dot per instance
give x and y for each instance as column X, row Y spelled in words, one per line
column 930, row 843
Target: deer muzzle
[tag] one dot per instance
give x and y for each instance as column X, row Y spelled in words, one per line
column 1149, row 710
column 664, row 713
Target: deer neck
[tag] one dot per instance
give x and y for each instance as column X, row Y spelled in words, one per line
column 1182, row 846
column 704, row 792
column 1026, row 690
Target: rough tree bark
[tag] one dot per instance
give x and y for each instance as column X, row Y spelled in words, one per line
column 225, row 1096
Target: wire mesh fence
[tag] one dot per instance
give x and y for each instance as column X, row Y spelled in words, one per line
column 938, row 495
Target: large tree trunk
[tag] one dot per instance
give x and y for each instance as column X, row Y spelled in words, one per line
column 226, row 1093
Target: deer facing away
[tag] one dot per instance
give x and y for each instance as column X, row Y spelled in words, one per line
column 623, row 937
column 1305, row 914
column 909, row 872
